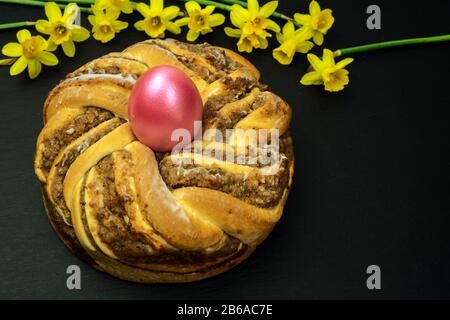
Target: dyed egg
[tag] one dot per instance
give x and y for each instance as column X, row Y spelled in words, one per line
column 163, row 100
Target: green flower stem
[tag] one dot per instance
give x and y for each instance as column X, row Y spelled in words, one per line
column 211, row 3
column 38, row 4
column 16, row 25
column 85, row 2
column 388, row 44
column 90, row 2
column 276, row 14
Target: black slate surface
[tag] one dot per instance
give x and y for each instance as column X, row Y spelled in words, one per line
column 371, row 183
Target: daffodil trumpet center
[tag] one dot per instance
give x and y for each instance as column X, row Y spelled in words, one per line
column 285, row 53
column 257, row 22
column 155, row 22
column 322, row 22
column 200, row 20
column 335, row 79
column 30, row 48
column 105, row 28
column 60, row 30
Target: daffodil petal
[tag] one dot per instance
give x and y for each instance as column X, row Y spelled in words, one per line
column 18, row 66
column 51, row 46
column 47, row 58
column 139, row 25
column 52, row 11
column 43, row 26
column 23, row 35
column 307, row 32
column 303, row 19
column 170, row 12
column 71, row 12
column 112, row 14
column 303, row 34
column 34, row 68
column 156, row 7
column 234, row 33
column 206, row 30
column 304, row 46
column 208, row 10
column 68, row 48
column 240, row 10
column 315, row 62
column 263, row 43
column 7, row 62
column 216, row 19
column 80, row 34
column 269, row 8
column 126, row 7
column 318, row 38
column 182, row 22
column 192, row 35
column 314, row 8
column 253, row 6
column 288, row 29
column 280, row 37
column 12, row 49
column 311, row 78
column 272, row 25
column 41, row 43
column 328, row 58
column 143, row 9
column 343, row 63
column 99, row 6
column 119, row 25
column 92, row 20
column 172, row 27
column 192, row 6
column 238, row 17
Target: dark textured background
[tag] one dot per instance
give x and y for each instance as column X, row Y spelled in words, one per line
column 371, row 185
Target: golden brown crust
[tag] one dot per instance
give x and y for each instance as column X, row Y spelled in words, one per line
column 105, row 196
column 110, row 94
column 237, row 57
column 125, row 272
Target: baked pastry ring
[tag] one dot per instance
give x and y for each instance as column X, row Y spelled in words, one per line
column 137, row 214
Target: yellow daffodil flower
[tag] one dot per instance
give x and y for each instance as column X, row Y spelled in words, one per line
column 327, row 72
column 157, row 19
column 124, row 6
column 247, row 42
column 62, row 28
column 291, row 41
column 200, row 21
column 252, row 24
column 105, row 24
column 31, row 52
column 316, row 23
